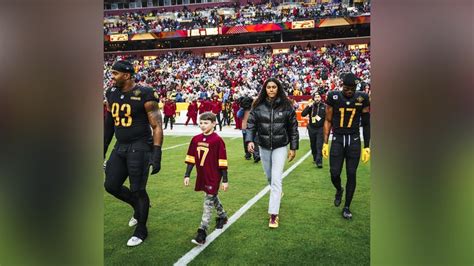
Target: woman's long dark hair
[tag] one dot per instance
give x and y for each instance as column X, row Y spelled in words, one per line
column 262, row 96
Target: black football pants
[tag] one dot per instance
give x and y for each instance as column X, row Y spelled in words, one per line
column 346, row 147
column 219, row 121
column 169, row 118
column 226, row 118
column 130, row 160
column 316, row 140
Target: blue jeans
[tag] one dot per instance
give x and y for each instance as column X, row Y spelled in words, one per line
column 273, row 162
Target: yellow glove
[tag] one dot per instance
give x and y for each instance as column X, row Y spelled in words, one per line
column 365, row 155
column 325, row 150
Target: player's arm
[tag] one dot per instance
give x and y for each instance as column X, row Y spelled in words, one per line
column 223, row 164
column 108, row 128
column 108, row 131
column 156, row 123
column 225, row 180
column 327, row 123
column 189, row 169
column 365, row 121
column 326, row 130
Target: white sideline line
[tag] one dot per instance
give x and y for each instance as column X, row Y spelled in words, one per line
column 235, row 138
column 175, row 146
column 188, row 257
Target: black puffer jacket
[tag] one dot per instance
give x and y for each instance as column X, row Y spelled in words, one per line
column 275, row 125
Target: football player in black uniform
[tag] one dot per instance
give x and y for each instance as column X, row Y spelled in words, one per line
column 137, row 124
column 346, row 110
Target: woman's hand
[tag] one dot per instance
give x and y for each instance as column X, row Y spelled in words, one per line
column 291, row 155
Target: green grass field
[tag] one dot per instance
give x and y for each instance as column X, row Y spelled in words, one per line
column 311, row 230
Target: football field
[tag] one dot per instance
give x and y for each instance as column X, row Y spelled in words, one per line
column 311, row 229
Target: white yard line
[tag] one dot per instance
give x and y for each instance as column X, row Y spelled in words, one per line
column 175, row 146
column 188, row 257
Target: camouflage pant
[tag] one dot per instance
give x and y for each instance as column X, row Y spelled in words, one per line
column 211, row 201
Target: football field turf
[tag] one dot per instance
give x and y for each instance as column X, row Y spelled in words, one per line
column 311, row 230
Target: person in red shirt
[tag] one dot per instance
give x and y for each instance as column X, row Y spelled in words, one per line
column 216, row 109
column 201, row 107
column 235, row 109
column 207, row 151
column 207, row 105
column 192, row 112
column 169, row 110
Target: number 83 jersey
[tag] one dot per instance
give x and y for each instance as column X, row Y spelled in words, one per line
column 129, row 114
column 346, row 112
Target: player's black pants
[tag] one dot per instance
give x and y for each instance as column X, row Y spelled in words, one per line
column 219, row 121
column 171, row 119
column 316, row 140
column 226, row 118
column 130, row 160
column 345, row 147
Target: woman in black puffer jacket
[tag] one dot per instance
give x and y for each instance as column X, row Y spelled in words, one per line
column 272, row 121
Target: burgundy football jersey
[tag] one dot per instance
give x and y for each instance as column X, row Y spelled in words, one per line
column 209, row 155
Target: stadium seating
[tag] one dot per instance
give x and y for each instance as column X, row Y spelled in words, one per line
column 161, row 21
column 242, row 71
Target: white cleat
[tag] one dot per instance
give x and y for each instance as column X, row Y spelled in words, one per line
column 134, row 241
column 132, row 222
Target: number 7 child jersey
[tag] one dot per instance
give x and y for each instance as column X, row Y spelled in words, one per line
column 129, row 114
column 346, row 112
column 209, row 155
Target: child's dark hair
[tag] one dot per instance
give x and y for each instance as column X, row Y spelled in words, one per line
column 208, row 116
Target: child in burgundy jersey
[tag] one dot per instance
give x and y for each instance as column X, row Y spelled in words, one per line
column 207, row 152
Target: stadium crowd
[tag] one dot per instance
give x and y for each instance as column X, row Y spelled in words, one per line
column 185, row 76
column 235, row 15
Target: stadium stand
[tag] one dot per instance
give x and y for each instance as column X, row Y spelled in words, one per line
column 159, row 20
column 303, row 70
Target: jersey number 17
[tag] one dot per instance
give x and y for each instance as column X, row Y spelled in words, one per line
column 343, row 111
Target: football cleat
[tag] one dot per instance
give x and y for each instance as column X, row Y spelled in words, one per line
column 132, row 222
column 200, row 238
column 338, row 197
column 220, row 222
column 134, row 241
column 346, row 213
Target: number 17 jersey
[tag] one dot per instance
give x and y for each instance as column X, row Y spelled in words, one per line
column 346, row 112
column 208, row 153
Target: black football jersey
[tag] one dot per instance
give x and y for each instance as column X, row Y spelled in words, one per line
column 346, row 111
column 129, row 114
